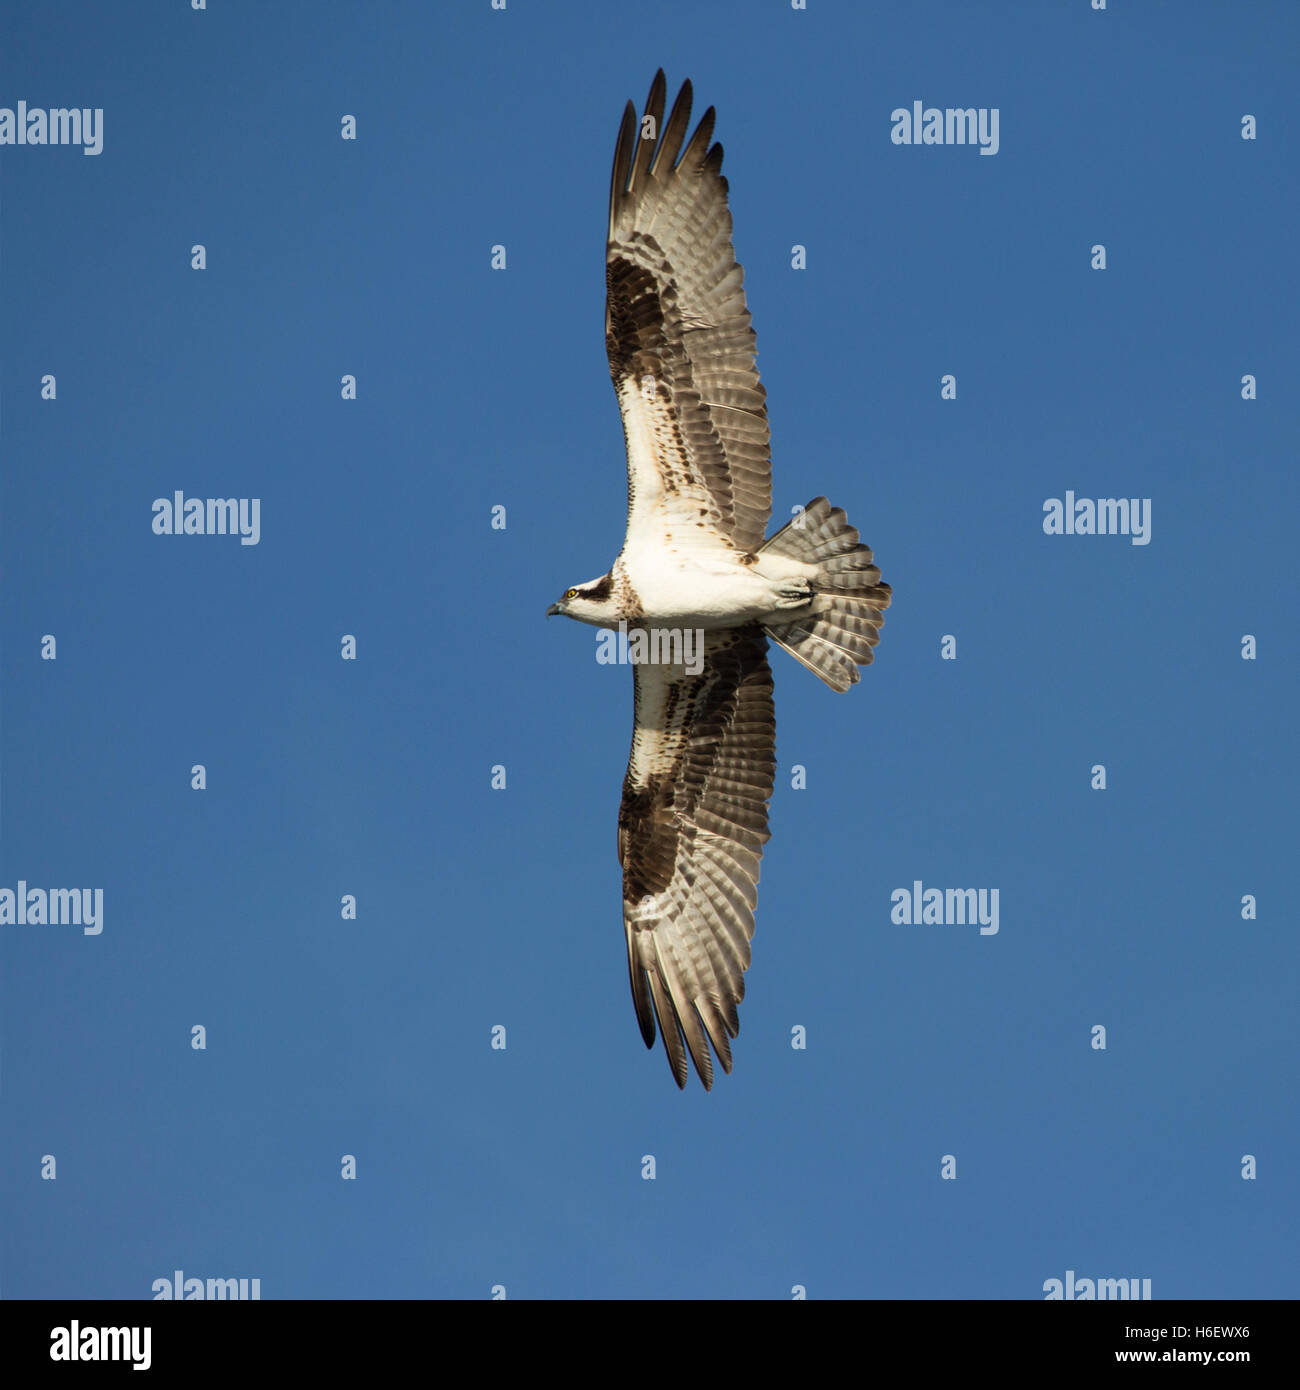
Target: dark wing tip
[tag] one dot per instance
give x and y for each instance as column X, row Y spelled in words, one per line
column 622, row 161
column 646, row 1019
column 637, row 159
column 645, row 1014
column 654, row 108
column 674, row 132
column 698, row 147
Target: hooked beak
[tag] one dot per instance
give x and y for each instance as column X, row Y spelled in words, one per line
column 553, row 610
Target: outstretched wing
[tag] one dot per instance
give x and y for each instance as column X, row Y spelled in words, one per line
column 681, row 349
column 690, row 832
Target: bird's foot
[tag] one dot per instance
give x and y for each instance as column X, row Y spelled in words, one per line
column 793, row 593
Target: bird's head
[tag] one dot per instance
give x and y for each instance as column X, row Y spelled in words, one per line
column 592, row 602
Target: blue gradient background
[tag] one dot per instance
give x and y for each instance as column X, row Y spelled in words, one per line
column 326, row 1037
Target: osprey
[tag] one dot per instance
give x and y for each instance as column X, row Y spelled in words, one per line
column 693, row 819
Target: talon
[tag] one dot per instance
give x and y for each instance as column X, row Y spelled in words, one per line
column 794, row 593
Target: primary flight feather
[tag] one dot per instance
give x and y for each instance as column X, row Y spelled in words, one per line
column 693, row 819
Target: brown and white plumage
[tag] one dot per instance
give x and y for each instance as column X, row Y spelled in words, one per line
column 691, row 828
column 693, row 819
column 681, row 349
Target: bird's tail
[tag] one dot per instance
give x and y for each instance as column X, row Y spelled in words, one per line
column 835, row 634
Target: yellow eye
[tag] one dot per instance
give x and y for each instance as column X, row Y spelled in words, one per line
column 571, row 593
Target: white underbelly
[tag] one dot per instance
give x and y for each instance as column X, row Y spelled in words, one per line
column 708, row 589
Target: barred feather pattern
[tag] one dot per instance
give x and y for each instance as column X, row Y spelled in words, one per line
column 691, row 831
column 838, row 634
column 678, row 334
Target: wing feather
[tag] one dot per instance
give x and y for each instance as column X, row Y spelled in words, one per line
column 678, row 333
column 692, row 826
column 645, row 148
column 670, row 142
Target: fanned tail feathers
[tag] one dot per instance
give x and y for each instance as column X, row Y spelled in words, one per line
column 837, row 634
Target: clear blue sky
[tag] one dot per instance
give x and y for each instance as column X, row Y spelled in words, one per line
column 477, row 907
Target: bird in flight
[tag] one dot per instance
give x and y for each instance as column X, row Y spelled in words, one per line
column 694, row 564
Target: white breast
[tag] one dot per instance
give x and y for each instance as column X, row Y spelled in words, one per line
column 701, row 585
